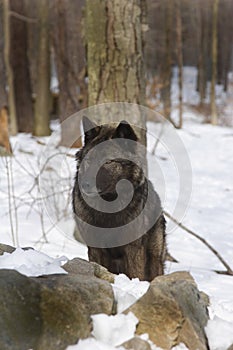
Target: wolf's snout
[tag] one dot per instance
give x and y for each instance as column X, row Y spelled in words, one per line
column 88, row 188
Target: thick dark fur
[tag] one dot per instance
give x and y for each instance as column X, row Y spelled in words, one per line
column 144, row 257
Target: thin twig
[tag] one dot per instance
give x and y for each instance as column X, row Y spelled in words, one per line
column 22, row 17
column 9, row 202
column 228, row 271
column 158, row 138
column 14, row 203
column 10, row 206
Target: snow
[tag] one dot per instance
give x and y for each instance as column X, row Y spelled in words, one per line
column 209, row 213
column 114, row 330
column 44, row 221
column 32, row 263
column 219, row 333
column 92, row 344
column 127, row 291
column 109, row 332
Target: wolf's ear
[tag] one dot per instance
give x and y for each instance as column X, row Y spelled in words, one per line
column 91, row 130
column 124, row 130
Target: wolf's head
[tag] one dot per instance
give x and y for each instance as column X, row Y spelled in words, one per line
column 114, row 147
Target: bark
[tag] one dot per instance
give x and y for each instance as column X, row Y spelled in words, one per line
column 69, row 57
column 114, row 39
column 179, row 48
column 5, row 147
column 114, row 42
column 3, row 94
column 33, row 28
column 9, row 73
column 20, row 66
column 203, row 39
column 42, row 117
column 4, row 134
column 225, row 28
column 167, row 62
column 214, row 63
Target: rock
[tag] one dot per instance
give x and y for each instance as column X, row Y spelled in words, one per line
column 230, row 348
column 80, row 266
column 67, row 302
column 103, row 273
column 20, row 320
column 173, row 311
column 4, row 248
column 136, row 343
column 51, row 312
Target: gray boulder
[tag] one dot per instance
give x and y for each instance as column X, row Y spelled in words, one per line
column 67, row 302
column 173, row 311
column 51, row 312
column 20, row 319
column 80, row 266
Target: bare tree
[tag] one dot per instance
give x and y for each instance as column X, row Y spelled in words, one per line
column 214, row 62
column 4, row 134
column 69, row 58
column 3, row 93
column 114, row 55
column 42, row 117
column 202, row 49
column 20, row 66
column 167, row 60
column 179, row 60
column 9, row 73
column 114, row 39
column 225, row 42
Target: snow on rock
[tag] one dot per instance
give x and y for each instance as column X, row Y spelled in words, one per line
column 32, row 263
column 127, row 291
column 114, row 330
column 92, row 344
column 219, row 333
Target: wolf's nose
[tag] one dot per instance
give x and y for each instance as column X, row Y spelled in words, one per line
column 88, row 188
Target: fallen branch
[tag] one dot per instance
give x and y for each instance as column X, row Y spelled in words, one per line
column 228, row 271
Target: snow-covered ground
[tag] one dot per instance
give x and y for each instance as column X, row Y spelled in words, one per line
column 24, row 220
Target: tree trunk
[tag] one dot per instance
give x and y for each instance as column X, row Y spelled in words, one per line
column 20, row 66
column 13, row 127
column 68, row 55
column 114, row 39
column 3, row 94
column 167, row 62
column 226, row 42
column 214, row 119
column 5, row 147
column 4, row 134
column 203, row 38
column 42, row 117
column 114, row 55
column 179, row 48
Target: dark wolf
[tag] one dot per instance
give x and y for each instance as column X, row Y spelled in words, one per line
column 143, row 257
